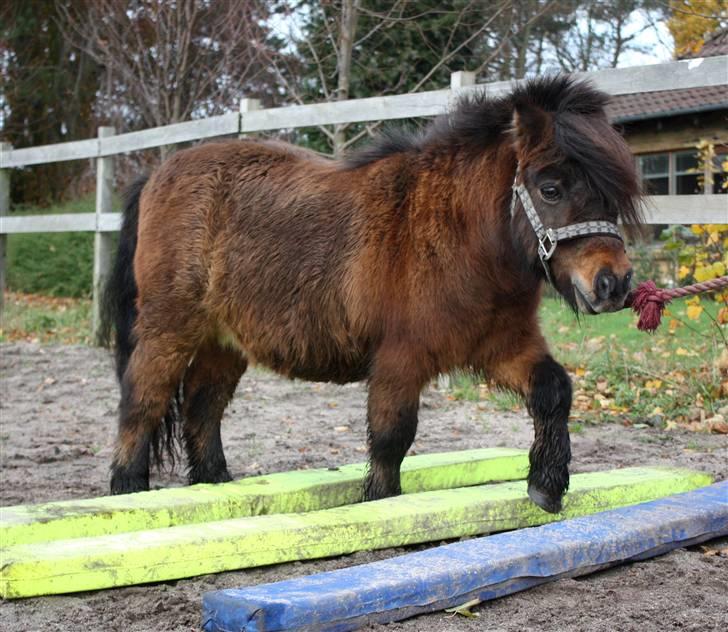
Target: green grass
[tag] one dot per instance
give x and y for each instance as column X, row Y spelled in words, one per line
column 54, row 264
column 625, row 374
column 575, row 338
column 45, row 319
column 464, row 386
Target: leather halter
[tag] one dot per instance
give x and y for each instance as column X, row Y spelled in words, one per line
column 548, row 238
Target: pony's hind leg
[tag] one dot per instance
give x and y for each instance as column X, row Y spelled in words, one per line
column 209, row 385
column 148, row 387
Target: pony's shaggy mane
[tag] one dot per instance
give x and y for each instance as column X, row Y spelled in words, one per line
column 582, row 135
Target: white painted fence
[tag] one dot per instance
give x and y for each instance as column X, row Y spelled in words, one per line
column 711, row 71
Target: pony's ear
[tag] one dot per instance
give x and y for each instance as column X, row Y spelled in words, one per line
column 530, row 125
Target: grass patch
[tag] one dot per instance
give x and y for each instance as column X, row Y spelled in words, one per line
column 45, row 319
column 465, row 387
column 620, row 373
column 54, row 264
column 504, row 400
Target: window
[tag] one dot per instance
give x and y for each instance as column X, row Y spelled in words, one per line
column 655, row 170
column 679, row 172
column 687, row 173
column 720, row 173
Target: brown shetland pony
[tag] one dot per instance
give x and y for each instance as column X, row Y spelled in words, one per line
column 395, row 265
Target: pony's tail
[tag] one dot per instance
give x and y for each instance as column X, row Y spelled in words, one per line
column 118, row 307
column 119, row 313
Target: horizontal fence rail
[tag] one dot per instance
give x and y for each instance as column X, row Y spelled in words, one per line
column 123, row 143
column 672, row 209
column 662, row 209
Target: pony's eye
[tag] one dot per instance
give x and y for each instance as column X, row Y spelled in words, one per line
column 550, row 193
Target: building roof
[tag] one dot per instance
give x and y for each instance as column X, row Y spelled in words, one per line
column 626, row 108
column 641, row 106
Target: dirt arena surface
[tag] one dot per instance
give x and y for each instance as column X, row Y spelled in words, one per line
column 57, row 423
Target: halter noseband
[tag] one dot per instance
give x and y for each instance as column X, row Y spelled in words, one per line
column 548, row 238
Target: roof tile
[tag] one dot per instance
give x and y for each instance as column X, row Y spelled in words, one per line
column 643, row 105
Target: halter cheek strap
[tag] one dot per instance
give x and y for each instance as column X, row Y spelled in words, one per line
column 548, row 238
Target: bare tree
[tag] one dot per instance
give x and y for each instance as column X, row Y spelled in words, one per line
column 339, row 52
column 347, row 30
column 168, row 61
column 595, row 34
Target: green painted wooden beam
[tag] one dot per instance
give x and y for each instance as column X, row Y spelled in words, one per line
column 286, row 492
column 185, row 551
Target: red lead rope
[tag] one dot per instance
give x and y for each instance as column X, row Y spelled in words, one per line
column 649, row 301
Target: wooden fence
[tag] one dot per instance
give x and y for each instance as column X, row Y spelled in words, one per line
column 674, row 209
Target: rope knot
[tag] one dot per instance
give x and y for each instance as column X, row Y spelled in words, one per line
column 649, row 303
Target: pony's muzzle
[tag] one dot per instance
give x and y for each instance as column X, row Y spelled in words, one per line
column 607, row 294
column 608, row 287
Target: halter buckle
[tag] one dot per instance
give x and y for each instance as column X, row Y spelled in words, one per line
column 545, row 251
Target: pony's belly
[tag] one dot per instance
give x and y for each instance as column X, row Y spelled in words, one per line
column 342, row 373
column 317, row 362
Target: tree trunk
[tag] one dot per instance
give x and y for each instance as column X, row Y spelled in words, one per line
column 347, row 29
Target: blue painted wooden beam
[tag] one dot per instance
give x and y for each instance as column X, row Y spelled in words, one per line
column 482, row 568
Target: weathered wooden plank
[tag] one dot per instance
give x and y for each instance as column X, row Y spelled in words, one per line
column 103, row 241
column 660, row 209
column 157, row 136
column 371, row 109
column 170, row 134
column 68, row 222
column 284, row 492
column 109, row 222
column 676, row 75
column 164, row 554
column 687, row 209
column 75, row 150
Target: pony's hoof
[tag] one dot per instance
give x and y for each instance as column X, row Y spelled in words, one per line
column 374, row 490
column 122, row 483
column 219, row 476
column 552, row 504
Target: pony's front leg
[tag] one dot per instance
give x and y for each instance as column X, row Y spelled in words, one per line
column 546, row 388
column 549, row 402
column 394, row 394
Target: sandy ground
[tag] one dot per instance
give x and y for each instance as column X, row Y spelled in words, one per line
column 57, row 422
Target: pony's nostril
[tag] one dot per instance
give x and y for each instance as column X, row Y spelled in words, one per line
column 627, row 283
column 605, row 284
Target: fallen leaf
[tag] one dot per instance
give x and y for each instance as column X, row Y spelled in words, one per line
column 693, row 312
column 464, row 609
column 710, row 551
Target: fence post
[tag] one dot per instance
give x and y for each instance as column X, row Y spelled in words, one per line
column 461, row 79
column 102, row 240
column 4, row 210
column 247, row 105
